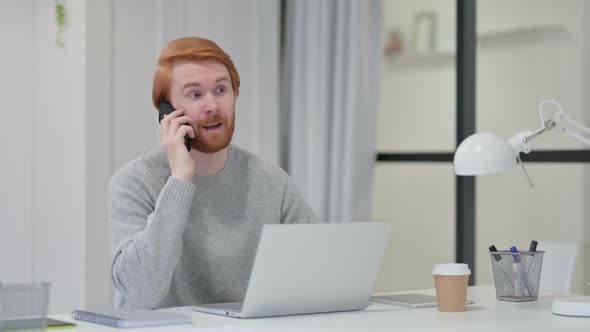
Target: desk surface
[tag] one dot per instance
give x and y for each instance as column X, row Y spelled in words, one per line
column 487, row 314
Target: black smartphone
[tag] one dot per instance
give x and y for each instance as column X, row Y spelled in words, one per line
column 165, row 109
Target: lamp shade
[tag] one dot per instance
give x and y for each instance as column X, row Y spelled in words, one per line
column 483, row 153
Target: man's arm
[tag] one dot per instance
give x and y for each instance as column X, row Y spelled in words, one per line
column 146, row 237
column 294, row 208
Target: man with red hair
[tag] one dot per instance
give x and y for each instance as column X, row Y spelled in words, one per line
column 185, row 224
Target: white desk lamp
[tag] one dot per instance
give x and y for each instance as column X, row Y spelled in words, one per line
column 484, row 153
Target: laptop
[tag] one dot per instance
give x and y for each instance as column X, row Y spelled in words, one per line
column 311, row 268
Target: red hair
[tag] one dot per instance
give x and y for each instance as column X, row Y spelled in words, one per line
column 193, row 49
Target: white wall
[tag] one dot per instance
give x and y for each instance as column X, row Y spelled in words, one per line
column 43, row 223
column 80, row 112
column 16, row 137
column 528, row 50
column 58, row 154
column 417, row 113
column 586, row 73
column 419, row 200
column 99, row 149
column 415, row 88
column 542, row 56
column 247, row 30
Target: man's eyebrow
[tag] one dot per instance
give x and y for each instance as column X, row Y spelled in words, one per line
column 190, row 85
column 197, row 84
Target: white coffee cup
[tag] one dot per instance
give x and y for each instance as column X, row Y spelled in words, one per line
column 451, row 281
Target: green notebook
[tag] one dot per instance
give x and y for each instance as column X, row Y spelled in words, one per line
column 33, row 323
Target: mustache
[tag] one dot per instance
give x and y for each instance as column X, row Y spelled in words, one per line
column 211, row 120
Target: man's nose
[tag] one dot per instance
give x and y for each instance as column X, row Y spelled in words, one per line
column 211, row 103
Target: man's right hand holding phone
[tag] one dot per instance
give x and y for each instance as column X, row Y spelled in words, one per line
column 173, row 129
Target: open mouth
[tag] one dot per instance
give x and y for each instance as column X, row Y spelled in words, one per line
column 212, row 126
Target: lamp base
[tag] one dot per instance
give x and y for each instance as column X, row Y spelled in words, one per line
column 574, row 305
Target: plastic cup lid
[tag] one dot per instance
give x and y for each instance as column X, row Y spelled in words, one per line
column 451, row 269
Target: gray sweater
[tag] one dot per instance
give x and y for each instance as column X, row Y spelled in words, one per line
column 176, row 243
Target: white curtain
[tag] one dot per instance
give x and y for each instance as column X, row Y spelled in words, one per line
column 331, row 91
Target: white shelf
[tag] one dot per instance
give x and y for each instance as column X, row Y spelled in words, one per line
column 421, row 58
column 521, row 33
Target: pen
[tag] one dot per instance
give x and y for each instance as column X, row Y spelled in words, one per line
column 533, row 246
column 500, row 263
column 518, row 270
column 529, row 259
column 516, row 274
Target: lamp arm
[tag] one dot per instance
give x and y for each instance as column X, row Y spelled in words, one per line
column 520, row 141
column 563, row 119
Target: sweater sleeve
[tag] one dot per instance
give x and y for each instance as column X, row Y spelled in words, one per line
column 294, row 207
column 146, row 236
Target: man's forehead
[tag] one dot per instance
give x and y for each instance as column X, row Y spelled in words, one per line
column 186, row 70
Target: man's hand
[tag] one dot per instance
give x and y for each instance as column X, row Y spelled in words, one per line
column 172, row 132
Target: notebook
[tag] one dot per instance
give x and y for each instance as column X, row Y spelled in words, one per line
column 311, row 268
column 130, row 317
column 32, row 323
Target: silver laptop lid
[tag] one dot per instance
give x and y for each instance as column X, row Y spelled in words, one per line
column 312, row 268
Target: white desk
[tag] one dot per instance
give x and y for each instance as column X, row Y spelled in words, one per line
column 487, row 314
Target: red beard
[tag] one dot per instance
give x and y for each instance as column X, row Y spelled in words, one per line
column 215, row 141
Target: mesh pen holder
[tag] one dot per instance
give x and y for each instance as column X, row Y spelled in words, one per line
column 23, row 306
column 517, row 274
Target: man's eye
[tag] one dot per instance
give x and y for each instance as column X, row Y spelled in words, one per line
column 195, row 95
column 220, row 90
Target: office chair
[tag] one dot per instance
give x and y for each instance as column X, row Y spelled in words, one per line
column 558, row 267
